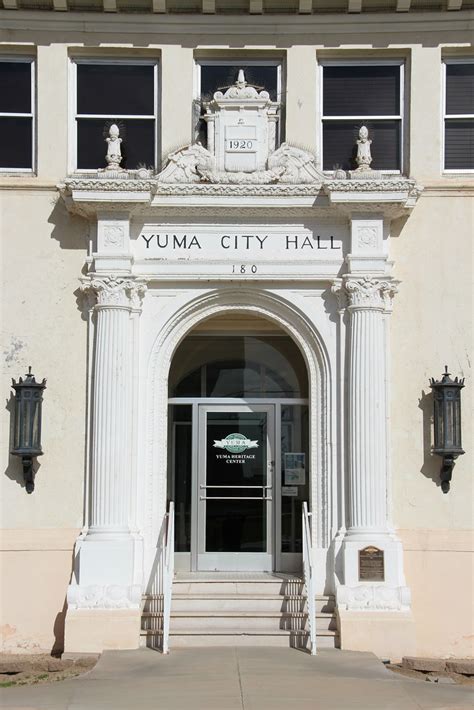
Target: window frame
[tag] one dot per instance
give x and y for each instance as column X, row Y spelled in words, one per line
column 32, row 61
column 444, row 116
column 233, row 61
column 74, row 115
column 375, row 61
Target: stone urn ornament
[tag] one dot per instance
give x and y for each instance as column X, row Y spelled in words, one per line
column 114, row 152
column 364, row 156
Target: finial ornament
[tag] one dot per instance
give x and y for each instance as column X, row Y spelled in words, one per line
column 114, row 153
column 364, row 156
column 241, row 78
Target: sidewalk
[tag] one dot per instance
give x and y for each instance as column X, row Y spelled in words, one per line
column 238, row 679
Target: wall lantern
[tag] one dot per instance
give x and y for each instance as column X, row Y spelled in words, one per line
column 447, row 423
column 27, row 426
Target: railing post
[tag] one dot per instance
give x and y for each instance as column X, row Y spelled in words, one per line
column 308, row 576
column 168, row 574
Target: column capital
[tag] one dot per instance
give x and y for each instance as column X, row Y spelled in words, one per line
column 114, row 291
column 365, row 292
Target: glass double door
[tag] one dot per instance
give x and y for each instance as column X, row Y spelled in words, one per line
column 235, row 499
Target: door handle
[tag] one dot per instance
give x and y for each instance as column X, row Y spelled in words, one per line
column 235, row 498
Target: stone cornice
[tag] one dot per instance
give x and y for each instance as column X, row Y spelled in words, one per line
column 87, row 195
column 160, row 25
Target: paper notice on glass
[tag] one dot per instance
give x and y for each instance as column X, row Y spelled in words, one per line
column 289, row 491
column 295, row 469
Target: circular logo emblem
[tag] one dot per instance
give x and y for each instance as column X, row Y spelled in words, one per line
column 236, row 443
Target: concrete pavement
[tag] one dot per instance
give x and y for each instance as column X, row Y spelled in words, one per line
column 241, row 678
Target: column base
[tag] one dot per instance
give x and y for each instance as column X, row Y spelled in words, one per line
column 385, row 569
column 387, row 634
column 109, row 559
column 373, row 603
column 97, row 630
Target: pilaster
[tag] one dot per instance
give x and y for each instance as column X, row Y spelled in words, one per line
column 105, row 557
column 368, row 301
column 369, row 538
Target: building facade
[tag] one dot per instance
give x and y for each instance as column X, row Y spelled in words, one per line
column 237, row 243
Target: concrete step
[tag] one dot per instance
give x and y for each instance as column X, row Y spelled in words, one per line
column 238, row 621
column 238, row 609
column 246, row 602
column 239, row 586
column 237, row 602
column 228, row 637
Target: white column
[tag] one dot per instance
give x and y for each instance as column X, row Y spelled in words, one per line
column 105, row 565
column 367, row 301
column 112, row 406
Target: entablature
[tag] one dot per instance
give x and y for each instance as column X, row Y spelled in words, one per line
column 87, row 196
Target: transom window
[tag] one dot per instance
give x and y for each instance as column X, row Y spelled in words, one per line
column 217, row 75
column 238, row 366
column 459, row 115
column 115, row 91
column 362, row 93
column 17, row 120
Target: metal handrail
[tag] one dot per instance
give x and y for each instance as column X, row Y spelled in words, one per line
column 168, row 575
column 230, row 486
column 309, row 578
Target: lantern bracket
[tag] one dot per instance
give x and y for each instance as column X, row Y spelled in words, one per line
column 447, row 472
column 28, row 473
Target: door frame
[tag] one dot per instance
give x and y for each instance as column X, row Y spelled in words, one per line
column 283, row 561
column 235, row 561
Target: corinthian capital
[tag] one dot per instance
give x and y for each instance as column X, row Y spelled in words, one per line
column 369, row 292
column 115, row 291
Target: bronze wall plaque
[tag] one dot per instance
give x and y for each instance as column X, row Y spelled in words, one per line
column 371, row 565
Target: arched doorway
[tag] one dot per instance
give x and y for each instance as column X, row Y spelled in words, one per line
column 238, row 446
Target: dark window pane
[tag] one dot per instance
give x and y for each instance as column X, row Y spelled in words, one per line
column 15, row 87
column 16, row 147
column 460, row 88
column 215, row 78
column 138, row 145
column 179, row 473
column 361, row 91
column 459, row 145
column 115, row 89
column 340, row 148
column 233, row 379
column 238, row 366
column 294, row 455
column 235, row 526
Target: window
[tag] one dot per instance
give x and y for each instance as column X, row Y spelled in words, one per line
column 17, row 125
column 356, row 94
column 459, row 115
column 115, row 91
column 217, row 75
column 238, row 366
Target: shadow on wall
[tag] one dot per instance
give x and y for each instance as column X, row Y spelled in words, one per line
column 431, row 462
column 70, row 230
column 58, row 630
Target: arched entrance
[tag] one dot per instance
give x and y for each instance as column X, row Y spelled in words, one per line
column 238, row 453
